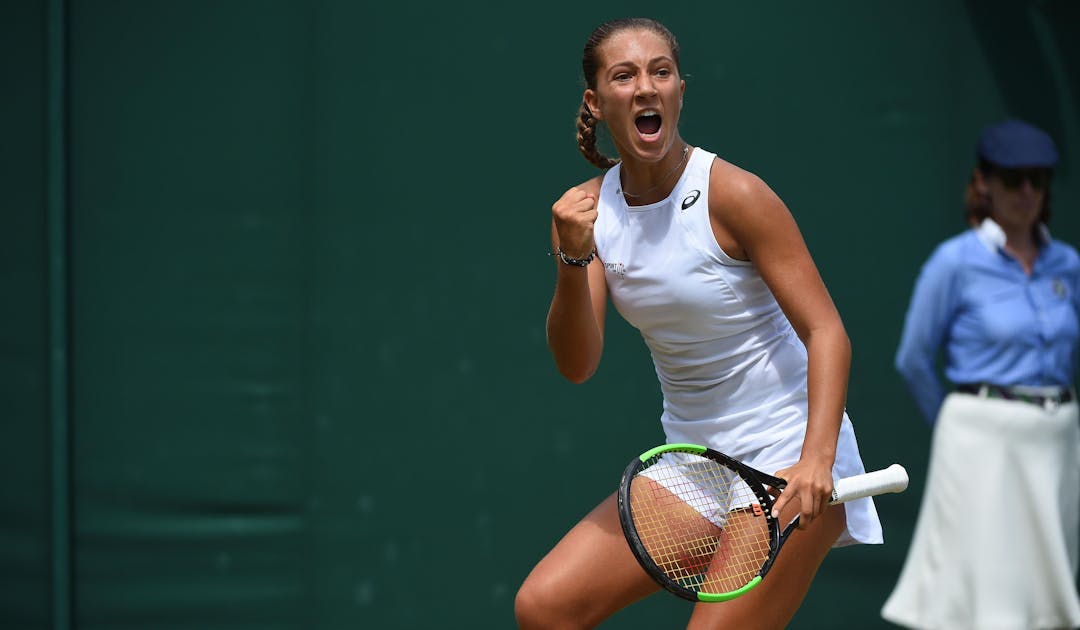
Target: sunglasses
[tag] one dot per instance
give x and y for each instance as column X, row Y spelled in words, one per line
column 1014, row 178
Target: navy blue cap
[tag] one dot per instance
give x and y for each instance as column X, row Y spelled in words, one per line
column 1016, row 144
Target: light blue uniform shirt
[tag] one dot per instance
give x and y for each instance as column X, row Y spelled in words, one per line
column 995, row 323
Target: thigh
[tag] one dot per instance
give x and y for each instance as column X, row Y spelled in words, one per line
column 773, row 603
column 590, row 573
column 662, row 517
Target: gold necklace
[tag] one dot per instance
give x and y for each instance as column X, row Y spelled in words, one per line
column 685, row 152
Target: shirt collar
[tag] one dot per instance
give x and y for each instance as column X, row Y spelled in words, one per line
column 993, row 237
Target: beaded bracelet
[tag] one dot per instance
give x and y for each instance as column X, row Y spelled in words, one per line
column 576, row 262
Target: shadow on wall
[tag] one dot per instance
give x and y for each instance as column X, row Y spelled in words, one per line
column 1019, row 40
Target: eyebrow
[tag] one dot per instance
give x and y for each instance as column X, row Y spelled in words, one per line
column 650, row 62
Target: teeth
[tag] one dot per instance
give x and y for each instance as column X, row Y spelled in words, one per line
column 649, row 112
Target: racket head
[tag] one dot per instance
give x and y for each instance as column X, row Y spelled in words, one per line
column 699, row 522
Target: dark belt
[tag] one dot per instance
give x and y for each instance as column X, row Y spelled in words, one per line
column 1011, row 393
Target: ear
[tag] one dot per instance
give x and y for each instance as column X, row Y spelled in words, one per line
column 592, row 101
column 979, row 181
column 682, row 90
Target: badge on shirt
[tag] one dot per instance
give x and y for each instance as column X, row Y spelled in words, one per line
column 1059, row 288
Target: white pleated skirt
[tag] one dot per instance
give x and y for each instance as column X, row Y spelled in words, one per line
column 996, row 543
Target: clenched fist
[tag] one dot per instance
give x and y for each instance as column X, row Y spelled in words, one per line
column 575, row 215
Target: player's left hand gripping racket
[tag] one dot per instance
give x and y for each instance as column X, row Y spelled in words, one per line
column 700, row 522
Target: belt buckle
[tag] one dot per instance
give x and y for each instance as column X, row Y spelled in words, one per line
column 1051, row 403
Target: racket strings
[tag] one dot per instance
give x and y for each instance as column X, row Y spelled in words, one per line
column 700, row 523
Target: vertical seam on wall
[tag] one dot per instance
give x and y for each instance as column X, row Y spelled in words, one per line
column 59, row 344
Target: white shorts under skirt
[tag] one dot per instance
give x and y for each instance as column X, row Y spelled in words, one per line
column 863, row 525
column 995, row 545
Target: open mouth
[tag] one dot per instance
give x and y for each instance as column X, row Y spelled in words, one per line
column 648, row 123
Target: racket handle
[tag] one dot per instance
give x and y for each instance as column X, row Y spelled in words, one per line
column 891, row 479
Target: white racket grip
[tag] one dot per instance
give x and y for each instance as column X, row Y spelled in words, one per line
column 891, row 479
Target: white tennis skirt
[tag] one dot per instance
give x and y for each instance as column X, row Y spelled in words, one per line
column 996, row 542
column 863, row 524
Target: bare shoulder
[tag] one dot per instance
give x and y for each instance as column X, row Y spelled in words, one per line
column 746, row 214
column 734, row 191
column 592, row 186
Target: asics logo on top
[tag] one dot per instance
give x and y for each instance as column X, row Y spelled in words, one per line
column 691, row 199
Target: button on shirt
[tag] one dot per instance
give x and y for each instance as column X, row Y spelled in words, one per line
column 995, row 323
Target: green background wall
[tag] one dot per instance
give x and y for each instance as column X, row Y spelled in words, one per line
column 274, row 285
column 24, row 362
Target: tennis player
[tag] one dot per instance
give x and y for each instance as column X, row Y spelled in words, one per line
column 752, row 357
column 995, row 545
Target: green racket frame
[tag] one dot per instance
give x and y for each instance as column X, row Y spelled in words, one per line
column 754, row 479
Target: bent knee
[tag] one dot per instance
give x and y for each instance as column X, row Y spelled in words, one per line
column 541, row 604
column 534, row 606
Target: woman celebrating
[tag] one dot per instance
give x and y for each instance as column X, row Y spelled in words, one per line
column 752, row 357
column 996, row 543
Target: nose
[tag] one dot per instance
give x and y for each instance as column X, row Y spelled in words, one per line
column 645, row 85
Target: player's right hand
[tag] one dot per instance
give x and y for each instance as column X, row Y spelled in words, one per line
column 575, row 215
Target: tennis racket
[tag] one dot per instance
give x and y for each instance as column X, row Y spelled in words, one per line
column 700, row 522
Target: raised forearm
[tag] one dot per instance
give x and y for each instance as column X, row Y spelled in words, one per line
column 574, row 335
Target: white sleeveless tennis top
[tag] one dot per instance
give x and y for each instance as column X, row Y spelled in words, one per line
column 731, row 368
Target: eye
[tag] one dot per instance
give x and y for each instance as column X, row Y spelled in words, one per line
column 623, row 76
column 663, row 72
